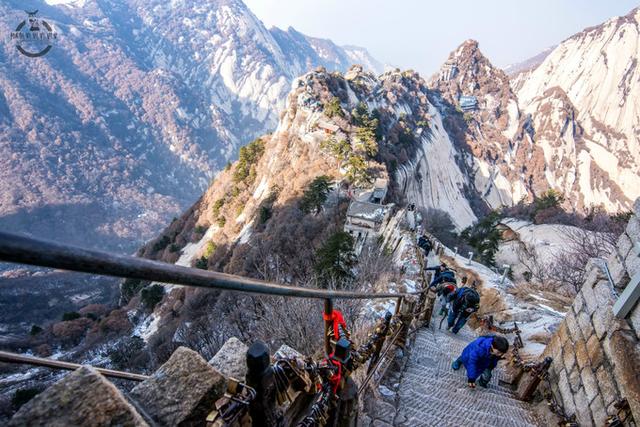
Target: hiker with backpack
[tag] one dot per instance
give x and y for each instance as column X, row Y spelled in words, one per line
column 425, row 244
column 441, row 274
column 462, row 303
column 480, row 358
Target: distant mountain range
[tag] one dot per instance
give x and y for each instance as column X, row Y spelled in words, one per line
column 465, row 141
column 124, row 123
column 528, row 64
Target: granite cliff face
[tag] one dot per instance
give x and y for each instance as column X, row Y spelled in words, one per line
column 569, row 123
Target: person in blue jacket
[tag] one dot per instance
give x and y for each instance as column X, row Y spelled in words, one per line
column 462, row 303
column 480, row 357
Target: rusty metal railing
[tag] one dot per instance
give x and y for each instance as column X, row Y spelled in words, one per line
column 27, row 250
column 8, row 357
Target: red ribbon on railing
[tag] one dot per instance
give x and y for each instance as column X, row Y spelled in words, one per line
column 338, row 321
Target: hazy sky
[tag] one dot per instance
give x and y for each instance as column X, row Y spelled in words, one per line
column 419, row 34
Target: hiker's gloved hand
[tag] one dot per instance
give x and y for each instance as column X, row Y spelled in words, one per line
column 472, row 384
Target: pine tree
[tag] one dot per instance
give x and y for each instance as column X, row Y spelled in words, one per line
column 333, row 108
column 335, row 259
column 316, row 194
column 484, row 237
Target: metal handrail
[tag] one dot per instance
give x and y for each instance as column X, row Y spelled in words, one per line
column 382, row 356
column 604, row 266
column 27, row 250
column 7, row 357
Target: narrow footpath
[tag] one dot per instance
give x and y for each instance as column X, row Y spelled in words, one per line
column 430, row 393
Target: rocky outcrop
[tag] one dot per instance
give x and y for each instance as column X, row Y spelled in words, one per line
column 82, row 398
column 230, row 360
column 183, row 391
column 570, row 124
column 596, row 354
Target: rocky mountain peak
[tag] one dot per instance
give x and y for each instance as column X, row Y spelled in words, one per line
column 597, row 71
column 467, row 48
column 467, row 73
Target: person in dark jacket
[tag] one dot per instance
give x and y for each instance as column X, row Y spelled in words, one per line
column 441, row 274
column 425, row 244
column 462, row 303
column 480, row 357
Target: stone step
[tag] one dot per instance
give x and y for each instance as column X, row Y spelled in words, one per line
column 427, row 419
column 478, row 399
column 453, row 380
column 431, row 393
column 417, row 407
column 444, row 402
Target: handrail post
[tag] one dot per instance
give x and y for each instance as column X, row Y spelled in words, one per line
column 378, row 346
column 429, row 304
column 328, row 324
column 405, row 322
column 260, row 376
column 528, row 384
column 398, row 306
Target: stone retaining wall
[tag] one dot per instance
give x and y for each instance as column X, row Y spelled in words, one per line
column 596, row 356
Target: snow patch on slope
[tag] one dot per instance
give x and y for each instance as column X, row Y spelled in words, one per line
column 534, row 319
column 190, row 250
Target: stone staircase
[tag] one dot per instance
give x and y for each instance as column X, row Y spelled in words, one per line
column 427, row 392
column 431, row 393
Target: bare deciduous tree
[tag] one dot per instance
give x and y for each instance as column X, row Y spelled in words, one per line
column 569, row 267
column 528, row 257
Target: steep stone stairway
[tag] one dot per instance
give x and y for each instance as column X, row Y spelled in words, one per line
column 431, row 393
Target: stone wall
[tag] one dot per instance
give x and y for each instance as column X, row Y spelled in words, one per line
column 596, row 356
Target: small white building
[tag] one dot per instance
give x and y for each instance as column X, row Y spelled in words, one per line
column 365, row 220
column 379, row 190
column 468, row 103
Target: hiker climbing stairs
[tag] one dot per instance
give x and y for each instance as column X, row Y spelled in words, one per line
column 431, row 393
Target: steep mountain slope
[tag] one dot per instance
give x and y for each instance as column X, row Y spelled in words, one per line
column 513, row 70
column 413, row 149
column 127, row 119
column 570, row 124
column 250, row 221
column 596, row 73
column 484, row 131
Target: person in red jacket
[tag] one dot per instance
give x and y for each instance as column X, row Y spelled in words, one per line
column 481, row 357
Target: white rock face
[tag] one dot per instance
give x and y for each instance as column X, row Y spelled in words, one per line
column 570, row 123
column 433, row 179
column 597, row 71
